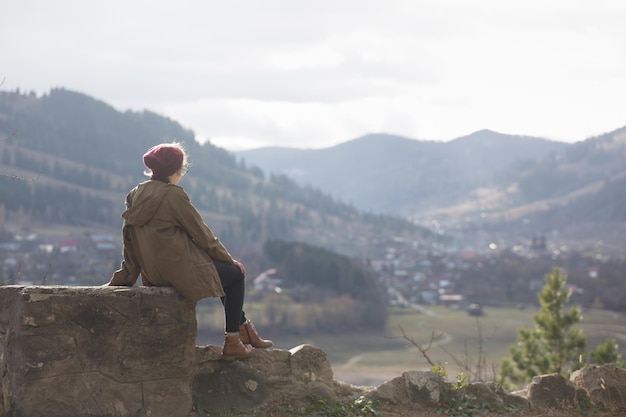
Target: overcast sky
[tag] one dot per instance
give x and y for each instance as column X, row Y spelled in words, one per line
column 311, row 74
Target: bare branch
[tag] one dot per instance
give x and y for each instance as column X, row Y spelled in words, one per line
column 478, row 370
column 464, row 365
column 423, row 350
column 45, row 277
column 16, row 177
column 19, row 178
column 10, row 135
column 18, row 270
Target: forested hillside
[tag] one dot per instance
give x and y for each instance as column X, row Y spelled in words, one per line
column 578, row 191
column 75, row 157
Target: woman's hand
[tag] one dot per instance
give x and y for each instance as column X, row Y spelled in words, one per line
column 241, row 267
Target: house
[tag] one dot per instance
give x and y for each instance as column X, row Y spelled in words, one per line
column 267, row 281
column 68, row 245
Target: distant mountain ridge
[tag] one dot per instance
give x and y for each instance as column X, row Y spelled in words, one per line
column 393, row 174
column 485, row 178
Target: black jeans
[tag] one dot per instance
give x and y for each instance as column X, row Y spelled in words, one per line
column 233, row 282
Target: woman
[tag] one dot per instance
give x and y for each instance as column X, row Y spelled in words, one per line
column 168, row 243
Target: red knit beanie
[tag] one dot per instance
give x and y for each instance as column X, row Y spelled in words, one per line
column 163, row 160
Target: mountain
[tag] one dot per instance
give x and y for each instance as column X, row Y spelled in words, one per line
column 579, row 191
column 69, row 159
column 392, row 174
column 487, row 179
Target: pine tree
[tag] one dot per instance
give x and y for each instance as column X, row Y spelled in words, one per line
column 554, row 345
column 607, row 352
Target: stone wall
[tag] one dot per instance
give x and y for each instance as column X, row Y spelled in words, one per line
column 83, row 351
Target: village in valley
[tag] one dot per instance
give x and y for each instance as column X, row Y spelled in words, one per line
column 31, row 259
column 414, row 273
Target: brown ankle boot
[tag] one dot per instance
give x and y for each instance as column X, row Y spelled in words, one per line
column 248, row 335
column 234, row 348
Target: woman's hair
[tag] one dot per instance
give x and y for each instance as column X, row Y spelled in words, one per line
column 164, row 159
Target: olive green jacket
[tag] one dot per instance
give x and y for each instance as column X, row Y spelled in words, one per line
column 168, row 243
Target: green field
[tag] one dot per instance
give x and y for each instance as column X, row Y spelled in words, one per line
column 370, row 358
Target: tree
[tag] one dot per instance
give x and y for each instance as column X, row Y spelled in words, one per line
column 554, row 345
column 607, row 353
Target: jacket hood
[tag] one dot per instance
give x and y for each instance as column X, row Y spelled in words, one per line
column 144, row 201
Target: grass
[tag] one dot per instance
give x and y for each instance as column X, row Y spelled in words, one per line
column 370, row 358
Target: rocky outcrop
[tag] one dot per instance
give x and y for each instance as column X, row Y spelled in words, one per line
column 412, row 387
column 274, row 375
column 605, row 384
column 121, row 352
column 480, row 393
column 554, row 391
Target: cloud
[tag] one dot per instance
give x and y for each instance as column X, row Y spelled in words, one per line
column 314, row 73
